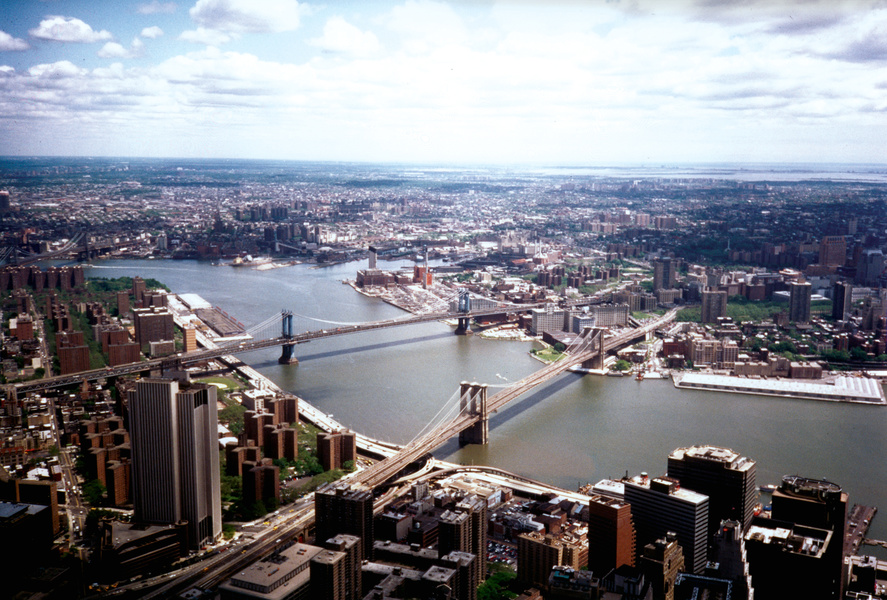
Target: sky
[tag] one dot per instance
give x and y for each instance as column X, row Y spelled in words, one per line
column 591, row 82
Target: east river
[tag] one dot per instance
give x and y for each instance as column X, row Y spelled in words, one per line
column 388, row 384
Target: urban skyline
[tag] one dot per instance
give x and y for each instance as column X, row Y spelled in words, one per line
column 446, row 82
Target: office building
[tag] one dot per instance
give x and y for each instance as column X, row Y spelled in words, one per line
column 285, row 574
column 787, row 560
column 659, row 506
column 842, row 300
column 728, row 553
column 714, row 305
column 664, row 274
column 175, row 456
column 819, row 504
column 342, row 508
column 799, row 302
column 728, row 479
column 611, row 535
column 661, row 561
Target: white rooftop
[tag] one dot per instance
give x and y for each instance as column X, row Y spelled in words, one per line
column 848, row 389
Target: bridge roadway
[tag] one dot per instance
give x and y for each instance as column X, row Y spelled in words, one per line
column 386, row 469
column 246, row 346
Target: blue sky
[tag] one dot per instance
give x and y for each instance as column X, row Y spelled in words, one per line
column 515, row 81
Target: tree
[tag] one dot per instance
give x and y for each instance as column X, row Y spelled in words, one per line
column 859, row 354
column 559, row 346
column 622, row 365
column 94, row 491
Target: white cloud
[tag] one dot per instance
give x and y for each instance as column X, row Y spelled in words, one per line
column 253, row 16
column 8, row 43
column 68, row 29
column 210, row 37
column 152, row 33
column 340, row 36
column 424, row 25
column 63, row 69
column 115, row 50
column 155, row 7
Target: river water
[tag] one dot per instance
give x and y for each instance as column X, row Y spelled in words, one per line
column 388, row 384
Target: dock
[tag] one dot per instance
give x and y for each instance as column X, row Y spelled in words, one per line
column 858, row 522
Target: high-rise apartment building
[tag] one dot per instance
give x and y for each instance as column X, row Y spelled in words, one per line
column 175, row 456
column 659, row 506
column 842, row 300
column 664, row 277
column 336, row 448
column 714, row 305
column 833, row 251
column 799, row 302
column 476, row 508
column 537, row 554
column 728, row 479
column 341, row 508
column 611, row 535
column 152, row 325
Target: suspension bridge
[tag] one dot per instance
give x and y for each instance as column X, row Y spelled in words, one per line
column 473, row 406
column 277, row 330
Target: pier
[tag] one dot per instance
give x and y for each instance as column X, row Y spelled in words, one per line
column 858, row 522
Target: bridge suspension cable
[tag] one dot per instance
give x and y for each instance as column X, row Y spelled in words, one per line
column 450, row 405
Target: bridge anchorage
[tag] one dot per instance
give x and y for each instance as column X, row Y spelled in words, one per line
column 287, row 351
column 464, row 306
column 473, row 402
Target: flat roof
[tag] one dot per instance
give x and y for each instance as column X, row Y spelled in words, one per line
column 844, row 389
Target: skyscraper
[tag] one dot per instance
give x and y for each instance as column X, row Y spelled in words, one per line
column 799, row 302
column 714, row 305
column 341, row 508
column 842, row 295
column 611, row 536
column 660, row 506
column 728, row 479
column 818, row 504
column 175, row 457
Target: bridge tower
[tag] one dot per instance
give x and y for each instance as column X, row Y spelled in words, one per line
column 464, row 306
column 596, row 334
column 473, row 401
column 287, row 354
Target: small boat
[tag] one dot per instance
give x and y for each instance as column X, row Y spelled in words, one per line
column 639, row 376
